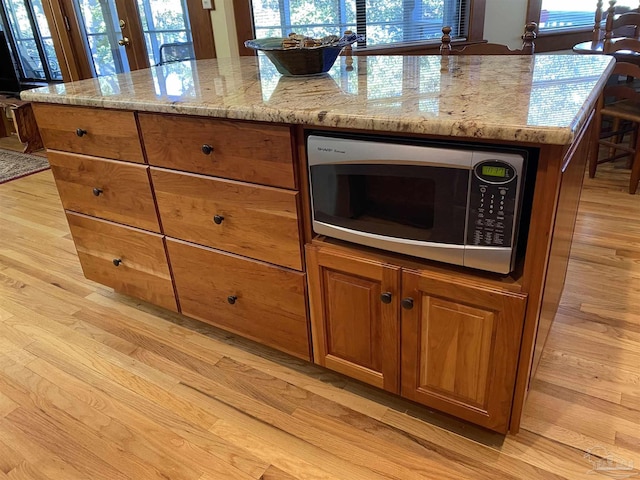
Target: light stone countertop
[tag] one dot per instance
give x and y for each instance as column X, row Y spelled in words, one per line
column 528, row 99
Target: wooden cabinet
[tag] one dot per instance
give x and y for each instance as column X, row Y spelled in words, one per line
column 252, row 152
column 257, row 300
column 460, row 345
column 98, row 132
column 197, row 202
column 355, row 325
column 130, row 261
column 117, row 191
column 252, row 220
column 212, row 227
column 453, row 341
column 98, row 192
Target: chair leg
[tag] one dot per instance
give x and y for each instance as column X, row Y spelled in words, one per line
column 615, row 127
column 595, row 144
column 635, row 168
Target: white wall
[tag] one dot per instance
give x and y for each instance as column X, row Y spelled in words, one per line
column 504, row 21
column 224, row 29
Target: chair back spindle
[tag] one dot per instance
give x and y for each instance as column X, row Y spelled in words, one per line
column 528, row 44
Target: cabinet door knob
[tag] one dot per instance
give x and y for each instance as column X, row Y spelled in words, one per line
column 407, row 303
column 117, row 262
column 386, row 297
column 217, row 219
column 232, row 299
column 207, row 149
column 80, row 132
column 97, row 191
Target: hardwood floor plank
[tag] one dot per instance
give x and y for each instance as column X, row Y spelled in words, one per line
column 274, row 473
column 524, row 456
column 289, row 454
column 9, row 458
column 407, row 462
column 119, row 443
column 184, row 427
column 157, row 343
column 6, row 406
column 631, row 401
column 63, row 444
column 26, row 471
column 43, row 459
column 237, row 402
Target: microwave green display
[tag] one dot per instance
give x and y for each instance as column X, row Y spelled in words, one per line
column 490, row 171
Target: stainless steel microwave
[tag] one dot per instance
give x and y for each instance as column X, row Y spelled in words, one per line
column 459, row 205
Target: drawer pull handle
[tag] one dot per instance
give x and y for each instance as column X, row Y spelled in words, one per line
column 97, row 191
column 407, row 303
column 232, row 299
column 217, row 219
column 117, row 261
column 386, row 297
column 80, row 132
column 207, row 149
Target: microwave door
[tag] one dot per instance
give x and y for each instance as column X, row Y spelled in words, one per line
column 419, row 210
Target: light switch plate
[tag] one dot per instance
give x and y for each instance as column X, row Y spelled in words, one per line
column 207, row 4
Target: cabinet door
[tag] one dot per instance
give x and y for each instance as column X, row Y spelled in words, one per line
column 354, row 316
column 460, row 345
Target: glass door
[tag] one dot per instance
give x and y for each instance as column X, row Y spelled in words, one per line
column 122, row 35
column 102, row 33
column 27, row 33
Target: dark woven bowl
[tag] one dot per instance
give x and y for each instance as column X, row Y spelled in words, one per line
column 297, row 61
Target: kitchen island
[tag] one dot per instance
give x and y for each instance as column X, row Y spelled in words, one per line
column 186, row 186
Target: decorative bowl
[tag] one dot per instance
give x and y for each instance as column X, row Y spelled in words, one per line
column 301, row 60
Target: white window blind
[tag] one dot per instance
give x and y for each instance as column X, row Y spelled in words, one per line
column 573, row 14
column 383, row 22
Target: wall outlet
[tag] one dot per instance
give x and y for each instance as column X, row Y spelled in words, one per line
column 207, row 4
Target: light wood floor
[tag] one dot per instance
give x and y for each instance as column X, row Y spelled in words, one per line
column 97, row 386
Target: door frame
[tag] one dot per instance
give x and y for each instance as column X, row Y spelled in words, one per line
column 70, row 48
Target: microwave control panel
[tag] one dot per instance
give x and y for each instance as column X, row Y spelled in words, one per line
column 492, row 204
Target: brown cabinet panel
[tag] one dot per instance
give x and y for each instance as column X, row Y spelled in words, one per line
column 108, row 189
column 251, row 220
column 245, row 151
column 460, row 345
column 254, row 299
column 104, row 133
column 354, row 331
column 131, row 261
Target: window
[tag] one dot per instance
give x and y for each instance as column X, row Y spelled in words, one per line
column 382, row 22
column 165, row 24
column 30, row 40
column 557, row 15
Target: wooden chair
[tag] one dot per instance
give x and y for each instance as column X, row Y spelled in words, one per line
column 601, row 15
column 629, row 23
column 528, row 44
column 620, row 105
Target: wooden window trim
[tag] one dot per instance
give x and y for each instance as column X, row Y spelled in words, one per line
column 245, row 30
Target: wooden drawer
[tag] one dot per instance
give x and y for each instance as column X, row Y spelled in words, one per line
column 104, row 133
column 268, row 302
column 129, row 260
column 255, row 221
column 241, row 150
column 108, row 189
